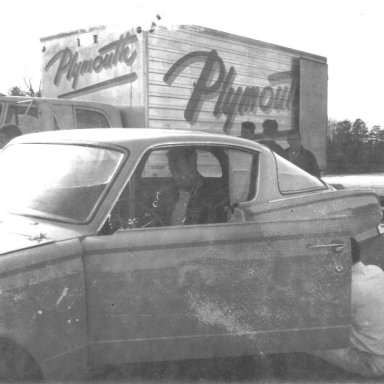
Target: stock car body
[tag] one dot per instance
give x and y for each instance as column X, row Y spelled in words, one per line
column 368, row 181
column 90, row 276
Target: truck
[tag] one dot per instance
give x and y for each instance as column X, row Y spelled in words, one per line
column 35, row 114
column 190, row 78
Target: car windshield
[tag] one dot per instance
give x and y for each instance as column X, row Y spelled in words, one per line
column 58, row 181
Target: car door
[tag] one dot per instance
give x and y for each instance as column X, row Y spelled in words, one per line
column 219, row 289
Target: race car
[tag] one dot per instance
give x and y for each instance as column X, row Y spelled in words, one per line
column 91, row 275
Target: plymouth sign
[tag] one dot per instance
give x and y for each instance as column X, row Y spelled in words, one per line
column 71, row 68
column 216, row 81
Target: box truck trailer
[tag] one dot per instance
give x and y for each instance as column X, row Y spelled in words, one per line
column 190, row 77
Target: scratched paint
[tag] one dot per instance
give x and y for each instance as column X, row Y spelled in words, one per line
column 214, row 314
column 64, row 293
column 294, row 295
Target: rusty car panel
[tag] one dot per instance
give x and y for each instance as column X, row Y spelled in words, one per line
column 92, row 274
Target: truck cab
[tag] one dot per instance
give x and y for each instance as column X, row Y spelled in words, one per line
column 32, row 114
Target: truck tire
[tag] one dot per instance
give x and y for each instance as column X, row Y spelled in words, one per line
column 17, row 365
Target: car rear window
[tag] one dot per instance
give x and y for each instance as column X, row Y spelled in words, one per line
column 292, row 179
column 157, row 164
column 86, row 118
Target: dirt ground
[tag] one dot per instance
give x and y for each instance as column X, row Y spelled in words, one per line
column 288, row 368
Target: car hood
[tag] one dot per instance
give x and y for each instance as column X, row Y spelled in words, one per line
column 17, row 232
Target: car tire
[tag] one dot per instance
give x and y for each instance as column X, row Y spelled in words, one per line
column 17, row 365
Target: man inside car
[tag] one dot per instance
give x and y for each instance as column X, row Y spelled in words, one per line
column 191, row 199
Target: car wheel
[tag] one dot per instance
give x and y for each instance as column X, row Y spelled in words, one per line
column 16, row 364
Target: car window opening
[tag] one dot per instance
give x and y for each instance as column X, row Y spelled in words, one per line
column 212, row 183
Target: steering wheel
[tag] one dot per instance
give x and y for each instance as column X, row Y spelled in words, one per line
column 150, row 216
column 147, row 216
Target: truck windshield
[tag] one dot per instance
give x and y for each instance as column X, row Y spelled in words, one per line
column 62, row 182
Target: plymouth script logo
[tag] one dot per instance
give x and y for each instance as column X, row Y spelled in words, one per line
column 231, row 101
column 110, row 56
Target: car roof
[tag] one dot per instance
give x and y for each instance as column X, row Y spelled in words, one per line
column 23, row 100
column 126, row 136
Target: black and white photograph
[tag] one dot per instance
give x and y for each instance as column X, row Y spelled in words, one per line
column 192, row 192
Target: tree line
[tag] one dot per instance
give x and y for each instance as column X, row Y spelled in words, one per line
column 27, row 90
column 354, row 148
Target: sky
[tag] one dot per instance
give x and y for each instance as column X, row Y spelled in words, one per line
column 349, row 33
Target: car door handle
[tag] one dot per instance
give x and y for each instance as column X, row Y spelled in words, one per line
column 337, row 247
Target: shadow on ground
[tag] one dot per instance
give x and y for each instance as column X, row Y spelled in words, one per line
column 275, row 368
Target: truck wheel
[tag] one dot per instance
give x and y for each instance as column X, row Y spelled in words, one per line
column 16, row 364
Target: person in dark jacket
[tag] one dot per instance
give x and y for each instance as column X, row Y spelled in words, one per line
column 190, row 200
column 300, row 156
column 248, row 130
column 270, row 128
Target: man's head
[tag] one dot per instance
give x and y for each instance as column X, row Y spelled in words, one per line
column 270, row 128
column 248, row 130
column 7, row 133
column 294, row 140
column 182, row 163
column 355, row 251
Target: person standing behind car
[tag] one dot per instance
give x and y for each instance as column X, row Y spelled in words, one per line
column 7, row 133
column 365, row 353
column 300, row 156
column 248, row 130
column 270, row 128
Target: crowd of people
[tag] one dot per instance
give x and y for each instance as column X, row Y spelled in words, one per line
column 295, row 152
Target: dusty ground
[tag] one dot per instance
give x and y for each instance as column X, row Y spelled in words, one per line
column 292, row 368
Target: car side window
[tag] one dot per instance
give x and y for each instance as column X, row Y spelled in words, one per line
column 24, row 117
column 158, row 196
column 186, row 185
column 292, row 179
column 87, row 118
column 62, row 116
column 242, row 175
column 157, row 164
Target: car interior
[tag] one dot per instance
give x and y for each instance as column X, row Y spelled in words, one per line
column 137, row 206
